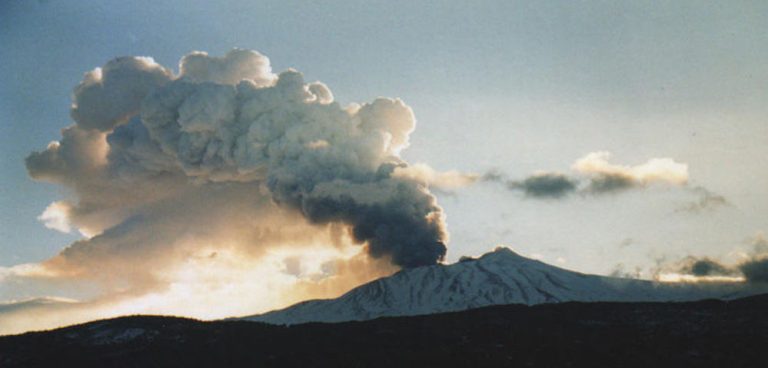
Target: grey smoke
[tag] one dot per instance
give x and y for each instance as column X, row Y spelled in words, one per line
column 400, row 227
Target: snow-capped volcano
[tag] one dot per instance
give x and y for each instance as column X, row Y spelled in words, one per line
column 498, row 277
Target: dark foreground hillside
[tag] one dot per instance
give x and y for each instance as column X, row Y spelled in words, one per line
column 695, row 334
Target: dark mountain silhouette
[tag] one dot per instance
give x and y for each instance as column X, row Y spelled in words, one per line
column 710, row 333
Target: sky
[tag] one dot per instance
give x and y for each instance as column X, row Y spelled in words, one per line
column 603, row 137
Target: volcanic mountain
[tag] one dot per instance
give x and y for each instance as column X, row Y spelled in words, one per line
column 498, row 277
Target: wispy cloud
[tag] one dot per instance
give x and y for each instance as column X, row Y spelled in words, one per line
column 706, row 201
column 595, row 175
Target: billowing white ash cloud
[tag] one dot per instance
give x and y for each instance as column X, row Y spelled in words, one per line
column 143, row 135
column 202, row 186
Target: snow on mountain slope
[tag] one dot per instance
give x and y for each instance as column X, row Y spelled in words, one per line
column 498, row 277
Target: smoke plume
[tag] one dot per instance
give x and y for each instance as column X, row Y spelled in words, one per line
column 230, row 120
column 180, row 179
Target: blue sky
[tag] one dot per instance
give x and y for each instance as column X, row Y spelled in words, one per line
column 513, row 86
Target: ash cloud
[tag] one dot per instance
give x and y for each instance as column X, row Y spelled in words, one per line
column 328, row 163
column 228, row 158
column 109, row 95
column 231, row 120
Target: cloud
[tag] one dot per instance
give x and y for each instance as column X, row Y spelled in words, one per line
column 56, row 216
column 605, row 177
column 706, row 201
column 595, row 175
column 540, row 185
column 36, row 313
column 235, row 66
column 109, row 95
column 12, row 306
column 759, row 243
column 626, row 242
column 211, row 180
column 447, row 180
column 230, row 120
column 80, row 153
column 621, row 271
column 694, row 269
column 752, row 268
column 706, row 267
column 545, row 185
column 755, row 270
column 609, row 183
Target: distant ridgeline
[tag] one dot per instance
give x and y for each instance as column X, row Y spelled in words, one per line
column 708, row 333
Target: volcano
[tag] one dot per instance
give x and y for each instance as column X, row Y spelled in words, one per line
column 498, row 277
